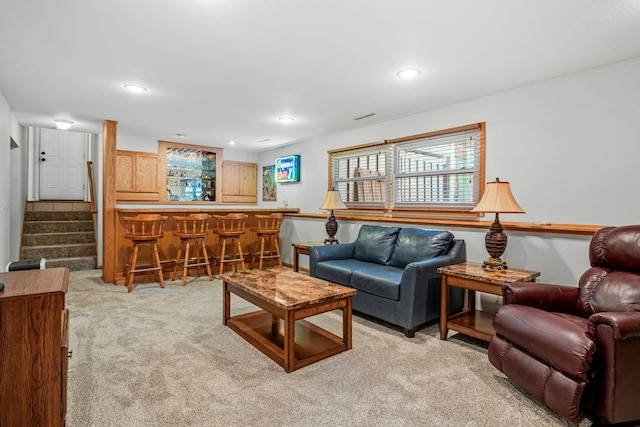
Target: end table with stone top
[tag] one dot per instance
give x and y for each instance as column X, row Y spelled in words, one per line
column 471, row 276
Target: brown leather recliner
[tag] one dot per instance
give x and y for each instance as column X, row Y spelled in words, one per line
column 569, row 346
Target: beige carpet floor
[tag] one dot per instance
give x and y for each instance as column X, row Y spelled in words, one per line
column 161, row 357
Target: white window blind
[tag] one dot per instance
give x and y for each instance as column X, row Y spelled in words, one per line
column 360, row 176
column 440, row 171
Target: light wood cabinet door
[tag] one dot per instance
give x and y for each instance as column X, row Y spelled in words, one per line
column 136, row 176
column 239, row 182
column 146, row 173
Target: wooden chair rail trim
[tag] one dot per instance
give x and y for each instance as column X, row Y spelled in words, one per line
column 575, row 229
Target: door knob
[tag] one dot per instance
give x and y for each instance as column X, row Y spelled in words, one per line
column 43, row 153
column 42, row 160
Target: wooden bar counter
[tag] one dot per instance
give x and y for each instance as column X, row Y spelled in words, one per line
column 169, row 244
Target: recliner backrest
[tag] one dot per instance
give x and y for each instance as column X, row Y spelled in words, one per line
column 613, row 281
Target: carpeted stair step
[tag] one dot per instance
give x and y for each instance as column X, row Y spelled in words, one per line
column 31, row 227
column 62, row 233
column 58, row 216
column 73, row 263
column 40, row 239
column 59, row 251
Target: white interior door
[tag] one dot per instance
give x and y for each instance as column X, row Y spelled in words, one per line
column 62, row 165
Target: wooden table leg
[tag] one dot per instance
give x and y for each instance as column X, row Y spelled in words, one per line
column 444, row 307
column 346, row 324
column 296, row 252
column 471, row 300
column 289, row 341
column 275, row 321
column 226, row 302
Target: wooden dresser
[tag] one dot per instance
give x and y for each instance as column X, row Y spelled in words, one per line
column 33, row 348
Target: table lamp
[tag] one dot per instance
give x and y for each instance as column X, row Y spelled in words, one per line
column 331, row 202
column 497, row 198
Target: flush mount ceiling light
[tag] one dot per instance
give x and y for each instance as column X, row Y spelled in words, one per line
column 231, row 142
column 409, row 73
column 286, row 119
column 135, row 88
column 62, row 124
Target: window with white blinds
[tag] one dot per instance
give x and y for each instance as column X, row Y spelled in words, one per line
column 360, row 175
column 440, row 171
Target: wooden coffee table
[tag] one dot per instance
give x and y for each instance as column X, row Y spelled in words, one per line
column 286, row 297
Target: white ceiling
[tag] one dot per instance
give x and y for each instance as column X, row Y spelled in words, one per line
column 219, row 70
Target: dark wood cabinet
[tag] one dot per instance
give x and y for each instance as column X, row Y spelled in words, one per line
column 33, row 348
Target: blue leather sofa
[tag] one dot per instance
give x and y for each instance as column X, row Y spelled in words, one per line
column 394, row 271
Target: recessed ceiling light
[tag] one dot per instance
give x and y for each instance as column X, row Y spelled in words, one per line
column 286, row 119
column 62, row 124
column 180, row 135
column 264, row 140
column 135, row 88
column 232, row 142
column 409, row 73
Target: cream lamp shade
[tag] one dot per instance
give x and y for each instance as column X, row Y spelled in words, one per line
column 332, row 201
column 498, row 198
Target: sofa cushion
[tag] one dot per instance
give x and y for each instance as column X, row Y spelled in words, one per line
column 337, row 271
column 375, row 243
column 414, row 244
column 380, row 280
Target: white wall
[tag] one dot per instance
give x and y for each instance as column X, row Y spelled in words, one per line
column 568, row 146
column 18, row 191
column 149, row 146
column 12, row 191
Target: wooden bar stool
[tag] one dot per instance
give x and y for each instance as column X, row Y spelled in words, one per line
column 144, row 229
column 192, row 228
column 267, row 231
column 229, row 228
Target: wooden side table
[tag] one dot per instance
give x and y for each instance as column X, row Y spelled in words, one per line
column 302, row 249
column 471, row 276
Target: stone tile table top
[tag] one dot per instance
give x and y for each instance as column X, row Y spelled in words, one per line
column 287, row 289
column 474, row 271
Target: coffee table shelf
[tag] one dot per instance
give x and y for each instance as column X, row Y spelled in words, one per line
column 312, row 343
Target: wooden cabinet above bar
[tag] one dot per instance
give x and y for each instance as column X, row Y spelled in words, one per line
column 169, row 244
column 184, row 174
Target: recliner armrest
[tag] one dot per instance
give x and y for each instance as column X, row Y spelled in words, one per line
column 547, row 297
column 329, row 252
column 625, row 324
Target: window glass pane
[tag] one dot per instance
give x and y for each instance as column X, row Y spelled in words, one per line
column 360, row 176
column 438, row 171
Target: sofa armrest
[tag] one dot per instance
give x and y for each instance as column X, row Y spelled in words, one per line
column 547, row 297
column 625, row 324
column 428, row 268
column 329, row 252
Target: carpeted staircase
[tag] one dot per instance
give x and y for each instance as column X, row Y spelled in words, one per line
column 61, row 232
